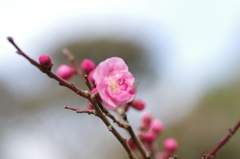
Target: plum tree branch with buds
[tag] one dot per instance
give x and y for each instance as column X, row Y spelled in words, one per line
column 85, row 94
column 112, row 87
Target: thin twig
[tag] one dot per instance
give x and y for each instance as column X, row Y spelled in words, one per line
column 87, row 82
column 79, row 110
column 212, row 154
column 71, row 58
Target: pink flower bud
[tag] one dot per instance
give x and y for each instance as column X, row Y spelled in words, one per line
column 156, row 126
column 148, row 137
column 45, row 61
column 90, row 75
column 94, row 90
column 131, row 91
column 170, row 145
column 146, row 119
column 138, row 104
column 65, row 72
column 131, row 145
column 87, row 65
column 89, row 106
column 148, row 146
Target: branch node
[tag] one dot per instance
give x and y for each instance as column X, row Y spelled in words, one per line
column 109, row 128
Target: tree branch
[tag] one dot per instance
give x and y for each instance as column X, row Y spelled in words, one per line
column 212, row 154
column 143, row 151
column 80, row 110
column 99, row 113
column 48, row 72
column 85, row 94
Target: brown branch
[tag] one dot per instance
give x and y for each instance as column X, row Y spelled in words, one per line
column 87, row 82
column 100, row 114
column 85, row 94
column 49, row 72
column 137, row 142
column 79, row 110
column 121, row 124
column 212, row 154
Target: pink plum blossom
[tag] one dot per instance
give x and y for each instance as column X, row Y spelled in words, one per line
column 114, row 82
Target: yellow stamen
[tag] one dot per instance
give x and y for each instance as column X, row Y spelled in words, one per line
column 113, row 88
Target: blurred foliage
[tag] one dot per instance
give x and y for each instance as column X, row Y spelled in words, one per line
column 201, row 131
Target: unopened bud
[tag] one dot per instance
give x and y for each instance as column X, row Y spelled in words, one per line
column 45, row 61
column 87, row 65
column 170, row 145
column 138, row 104
column 156, row 126
column 89, row 106
column 131, row 145
column 94, row 90
column 146, row 120
column 148, row 137
column 90, row 75
column 65, row 72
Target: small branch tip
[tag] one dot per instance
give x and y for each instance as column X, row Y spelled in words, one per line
column 10, row 39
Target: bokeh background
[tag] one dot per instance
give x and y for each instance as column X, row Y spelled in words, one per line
column 185, row 54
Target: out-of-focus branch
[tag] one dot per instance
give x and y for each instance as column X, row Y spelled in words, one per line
column 212, row 154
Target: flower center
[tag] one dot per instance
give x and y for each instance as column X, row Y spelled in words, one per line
column 114, row 87
column 118, row 84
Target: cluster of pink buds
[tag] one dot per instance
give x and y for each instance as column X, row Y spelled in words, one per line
column 116, row 88
column 150, row 129
column 66, row 72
